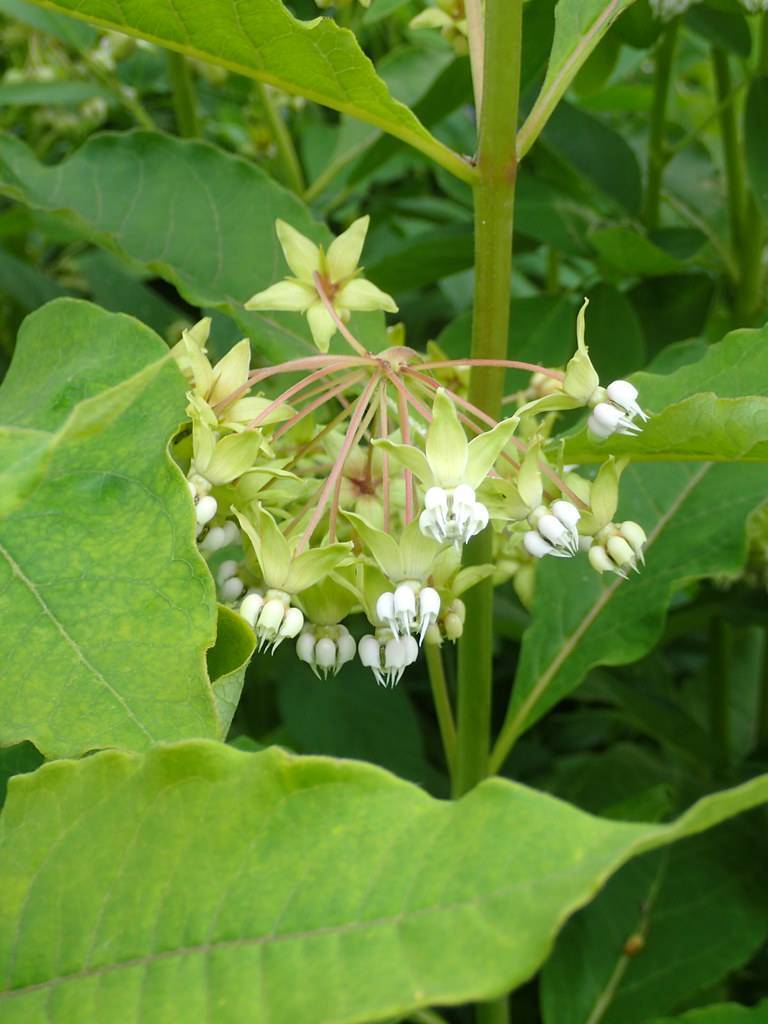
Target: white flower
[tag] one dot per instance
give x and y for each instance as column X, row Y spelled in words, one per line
column 388, row 658
column 205, row 509
column 555, row 531
column 618, row 548
column 452, row 514
column 272, row 617
column 230, row 584
column 325, row 648
column 618, row 414
column 219, row 537
column 409, row 609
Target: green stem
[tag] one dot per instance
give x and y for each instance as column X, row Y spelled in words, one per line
column 496, row 1012
column 732, row 157
column 184, row 98
column 657, row 154
column 762, row 61
column 761, row 732
column 292, row 174
column 494, row 210
column 476, row 32
column 442, row 701
column 721, row 650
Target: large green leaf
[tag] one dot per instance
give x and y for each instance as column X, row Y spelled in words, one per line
column 107, row 608
column 705, row 896
column 699, row 411
column 694, row 515
column 579, row 27
column 263, row 40
column 238, row 887
column 190, row 213
column 722, row 1013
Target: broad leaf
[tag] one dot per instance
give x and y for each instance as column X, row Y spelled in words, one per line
column 106, row 606
column 188, row 212
column 722, row 1013
column 579, row 27
column 699, row 411
column 694, row 516
column 269, row 887
column 704, row 896
column 263, row 40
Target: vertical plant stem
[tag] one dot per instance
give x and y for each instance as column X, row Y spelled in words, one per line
column 732, row 156
column 657, row 154
column 761, row 730
column 442, row 702
column 720, row 678
column 292, row 174
column 494, row 209
column 184, row 98
column 762, row 61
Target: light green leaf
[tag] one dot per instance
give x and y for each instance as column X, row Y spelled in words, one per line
column 316, row 59
column 705, row 896
column 217, row 212
column 99, row 569
column 629, row 253
column 337, row 870
column 700, row 411
column 227, row 662
column 579, row 27
column 694, row 516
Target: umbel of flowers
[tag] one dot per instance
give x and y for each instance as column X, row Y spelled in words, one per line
column 338, row 487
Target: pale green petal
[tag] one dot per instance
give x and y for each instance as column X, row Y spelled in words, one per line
column 231, row 372
column 301, row 253
column 270, row 547
column 364, row 296
column 383, row 547
column 529, row 482
column 417, row 552
column 408, row 456
column 247, row 409
column 288, row 295
column 232, row 456
column 557, row 402
column 203, row 445
column 310, row 567
column 603, row 497
column 344, row 252
column 321, row 324
column 484, row 450
column 446, row 445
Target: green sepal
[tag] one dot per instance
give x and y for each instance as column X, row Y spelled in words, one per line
column 384, row 548
column 310, row 567
column 232, row 456
column 417, row 553
column 446, row 446
column 408, row 456
column 603, row 497
column 529, row 483
column 581, row 378
column 557, row 402
column 270, row 547
column 328, row 602
column 484, row 450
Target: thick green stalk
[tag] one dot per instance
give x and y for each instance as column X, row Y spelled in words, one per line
column 292, row 174
column 442, row 702
column 762, row 62
column 494, row 209
column 184, row 98
column 657, row 155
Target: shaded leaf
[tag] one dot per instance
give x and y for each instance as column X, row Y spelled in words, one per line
column 252, row 867
column 107, row 606
column 723, row 1013
column 756, row 139
column 227, row 662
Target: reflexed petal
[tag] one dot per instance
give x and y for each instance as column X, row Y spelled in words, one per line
column 364, row 296
column 301, row 253
column 293, row 296
column 231, row 372
column 321, row 324
column 344, row 252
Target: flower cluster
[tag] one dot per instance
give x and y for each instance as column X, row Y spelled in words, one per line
column 353, row 486
column 451, row 18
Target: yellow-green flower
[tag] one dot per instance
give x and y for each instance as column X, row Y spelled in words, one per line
column 336, row 272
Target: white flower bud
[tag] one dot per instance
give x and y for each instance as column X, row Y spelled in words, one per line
column 205, row 509
column 429, row 609
column 305, row 648
column 624, row 395
column 599, row 560
column 405, row 608
column 251, row 606
column 231, row 589
column 227, row 570
column 635, row 536
column 292, row 624
column 369, row 650
column 567, row 513
column 270, row 618
column 453, row 626
column 552, row 530
column 325, row 655
column 535, row 544
column 214, row 540
column 410, row 649
column 345, row 648
column 621, row 553
column 385, row 610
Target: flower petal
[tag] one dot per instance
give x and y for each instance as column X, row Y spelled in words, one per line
column 362, row 295
column 446, row 446
column 231, row 371
column 301, row 253
column 344, row 252
column 293, row 296
column 322, row 325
